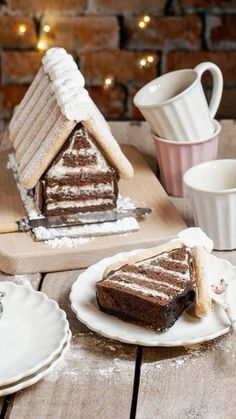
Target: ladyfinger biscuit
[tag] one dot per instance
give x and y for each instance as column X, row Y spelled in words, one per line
column 202, row 304
column 46, row 152
column 111, row 148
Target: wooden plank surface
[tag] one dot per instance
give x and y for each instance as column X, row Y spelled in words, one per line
column 27, row 280
column 19, row 253
column 196, row 382
column 94, row 381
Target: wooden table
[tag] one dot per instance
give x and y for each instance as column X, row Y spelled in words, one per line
column 104, row 379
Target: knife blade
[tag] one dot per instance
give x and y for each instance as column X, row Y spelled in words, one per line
column 82, row 218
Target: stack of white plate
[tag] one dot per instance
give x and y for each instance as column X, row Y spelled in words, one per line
column 34, row 335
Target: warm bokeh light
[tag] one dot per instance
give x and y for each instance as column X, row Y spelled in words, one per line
column 47, row 28
column 146, row 18
column 141, row 24
column 143, row 62
column 21, row 28
column 108, row 82
column 150, row 59
column 42, row 45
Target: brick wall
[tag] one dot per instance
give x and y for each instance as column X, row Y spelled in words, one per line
column 105, row 39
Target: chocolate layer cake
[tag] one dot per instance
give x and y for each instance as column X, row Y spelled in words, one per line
column 151, row 292
column 79, row 180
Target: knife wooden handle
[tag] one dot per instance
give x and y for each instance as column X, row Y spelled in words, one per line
column 9, row 227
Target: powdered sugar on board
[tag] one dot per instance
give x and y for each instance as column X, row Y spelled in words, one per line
column 80, row 232
column 76, row 235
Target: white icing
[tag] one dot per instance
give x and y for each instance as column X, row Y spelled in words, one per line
column 68, row 86
column 27, row 200
column 78, row 204
column 142, row 289
column 194, row 236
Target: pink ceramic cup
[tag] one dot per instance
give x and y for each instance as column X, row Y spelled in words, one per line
column 174, row 158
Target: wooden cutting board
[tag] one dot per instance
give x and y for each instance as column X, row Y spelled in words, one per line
column 20, row 254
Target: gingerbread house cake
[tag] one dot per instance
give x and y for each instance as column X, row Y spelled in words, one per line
column 64, row 149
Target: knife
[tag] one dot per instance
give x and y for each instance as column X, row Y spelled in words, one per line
column 81, row 218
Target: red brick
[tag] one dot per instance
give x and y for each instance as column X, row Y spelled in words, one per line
column 184, row 59
column 9, row 36
column 123, row 65
column 130, row 6
column 133, row 111
column 221, row 31
column 165, row 32
column 83, row 33
column 10, row 96
column 207, row 4
column 227, row 107
column 111, row 101
column 32, row 6
column 20, row 66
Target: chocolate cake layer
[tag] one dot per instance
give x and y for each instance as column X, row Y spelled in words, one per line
column 153, row 292
column 73, row 210
column 80, row 179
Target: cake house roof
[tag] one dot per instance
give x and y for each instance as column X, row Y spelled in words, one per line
column 52, row 106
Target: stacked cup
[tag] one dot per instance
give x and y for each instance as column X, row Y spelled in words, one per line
column 183, row 127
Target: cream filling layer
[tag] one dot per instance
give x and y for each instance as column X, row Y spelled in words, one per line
column 78, row 204
column 100, row 187
column 141, row 277
column 142, row 289
column 177, row 275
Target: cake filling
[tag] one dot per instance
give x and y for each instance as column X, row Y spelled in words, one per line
column 80, row 178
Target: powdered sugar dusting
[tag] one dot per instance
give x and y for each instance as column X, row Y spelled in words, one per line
column 125, row 225
column 66, row 242
column 26, row 198
column 73, row 366
column 23, row 280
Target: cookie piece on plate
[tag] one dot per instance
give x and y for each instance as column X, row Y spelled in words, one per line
column 153, row 288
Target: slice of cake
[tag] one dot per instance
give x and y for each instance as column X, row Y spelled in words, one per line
column 152, row 289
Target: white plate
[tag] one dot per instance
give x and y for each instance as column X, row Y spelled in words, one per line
column 33, row 330
column 187, row 330
column 38, row 375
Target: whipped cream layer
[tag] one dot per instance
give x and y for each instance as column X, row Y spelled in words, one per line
column 68, row 86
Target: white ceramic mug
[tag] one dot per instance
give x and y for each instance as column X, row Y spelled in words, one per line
column 211, row 187
column 175, row 105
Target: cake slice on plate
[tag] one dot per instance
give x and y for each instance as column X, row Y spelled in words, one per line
column 153, row 288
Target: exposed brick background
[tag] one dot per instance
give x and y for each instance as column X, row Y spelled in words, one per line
column 104, row 38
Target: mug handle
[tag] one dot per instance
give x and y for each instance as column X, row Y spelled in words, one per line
column 217, row 84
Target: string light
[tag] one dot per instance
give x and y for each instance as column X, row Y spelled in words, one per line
column 146, row 61
column 144, row 21
column 150, row 59
column 108, row 82
column 146, row 18
column 47, row 28
column 142, row 24
column 143, row 62
column 42, row 45
column 21, row 29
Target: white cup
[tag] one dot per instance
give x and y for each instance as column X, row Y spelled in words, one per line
column 211, row 187
column 175, row 105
